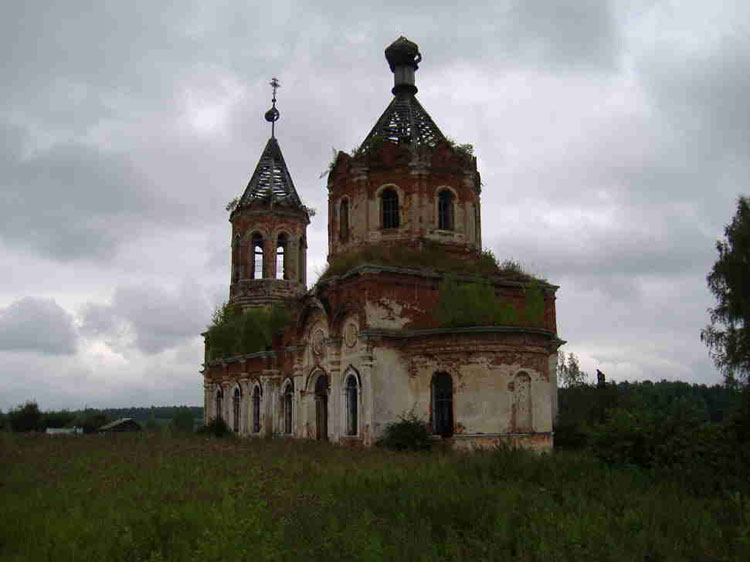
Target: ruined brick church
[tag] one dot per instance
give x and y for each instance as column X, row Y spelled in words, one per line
column 411, row 315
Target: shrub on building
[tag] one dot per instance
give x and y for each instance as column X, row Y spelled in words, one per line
column 237, row 332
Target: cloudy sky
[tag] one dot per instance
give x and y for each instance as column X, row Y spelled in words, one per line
column 613, row 138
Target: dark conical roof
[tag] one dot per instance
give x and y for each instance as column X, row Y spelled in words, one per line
column 271, row 182
column 405, row 121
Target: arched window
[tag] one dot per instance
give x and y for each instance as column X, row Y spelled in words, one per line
column 321, row 407
column 522, row 403
column 389, row 208
column 442, row 404
column 445, row 210
column 236, row 258
column 236, row 410
column 257, row 256
column 218, row 405
column 352, row 404
column 287, row 401
column 256, row 409
column 301, row 265
column 344, row 220
column 280, row 255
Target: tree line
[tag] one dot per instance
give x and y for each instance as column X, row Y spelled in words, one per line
column 28, row 417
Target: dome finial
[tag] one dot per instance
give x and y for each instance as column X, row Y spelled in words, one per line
column 272, row 115
column 403, row 57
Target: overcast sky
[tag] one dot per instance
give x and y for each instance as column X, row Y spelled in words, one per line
column 613, row 139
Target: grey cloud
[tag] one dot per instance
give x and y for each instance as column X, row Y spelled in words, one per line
column 71, row 201
column 578, row 34
column 158, row 319
column 37, row 325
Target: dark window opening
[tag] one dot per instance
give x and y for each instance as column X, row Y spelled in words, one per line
column 389, row 204
column 236, row 410
column 445, row 210
column 219, row 397
column 256, row 410
column 321, row 408
column 442, row 404
column 344, row 220
column 352, row 403
column 236, row 259
column 288, row 394
column 257, row 257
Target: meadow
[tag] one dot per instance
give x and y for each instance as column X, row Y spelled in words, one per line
column 154, row 497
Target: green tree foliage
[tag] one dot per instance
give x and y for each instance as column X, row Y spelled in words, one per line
column 728, row 335
column 91, row 420
column 61, row 418
column 234, row 332
column 569, row 373
column 26, row 417
column 182, row 421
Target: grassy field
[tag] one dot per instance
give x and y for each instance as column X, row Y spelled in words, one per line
column 154, row 497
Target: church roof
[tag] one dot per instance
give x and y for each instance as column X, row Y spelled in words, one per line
column 405, row 121
column 271, row 182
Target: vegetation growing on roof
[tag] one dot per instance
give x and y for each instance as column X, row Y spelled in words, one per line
column 465, row 151
column 429, row 257
column 476, row 304
column 234, row 332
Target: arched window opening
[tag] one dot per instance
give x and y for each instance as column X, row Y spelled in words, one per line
column 389, row 208
column 280, row 257
column 522, row 403
column 257, row 256
column 344, row 220
column 352, row 405
column 321, row 407
column 218, row 405
column 236, row 410
column 442, row 404
column 288, row 396
column 235, row 258
column 256, row 409
column 301, row 265
column 445, row 210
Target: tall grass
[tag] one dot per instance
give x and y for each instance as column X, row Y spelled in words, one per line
column 151, row 497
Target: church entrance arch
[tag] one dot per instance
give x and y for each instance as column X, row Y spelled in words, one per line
column 321, row 407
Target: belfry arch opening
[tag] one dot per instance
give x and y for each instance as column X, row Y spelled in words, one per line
column 281, row 251
column 257, row 255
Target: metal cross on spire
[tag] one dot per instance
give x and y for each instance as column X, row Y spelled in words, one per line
column 272, row 115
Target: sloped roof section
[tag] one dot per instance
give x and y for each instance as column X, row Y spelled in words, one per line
column 405, row 121
column 271, row 182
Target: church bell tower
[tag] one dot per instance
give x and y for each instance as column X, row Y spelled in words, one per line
column 269, row 224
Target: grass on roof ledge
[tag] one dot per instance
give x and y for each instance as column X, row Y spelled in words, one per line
column 432, row 258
